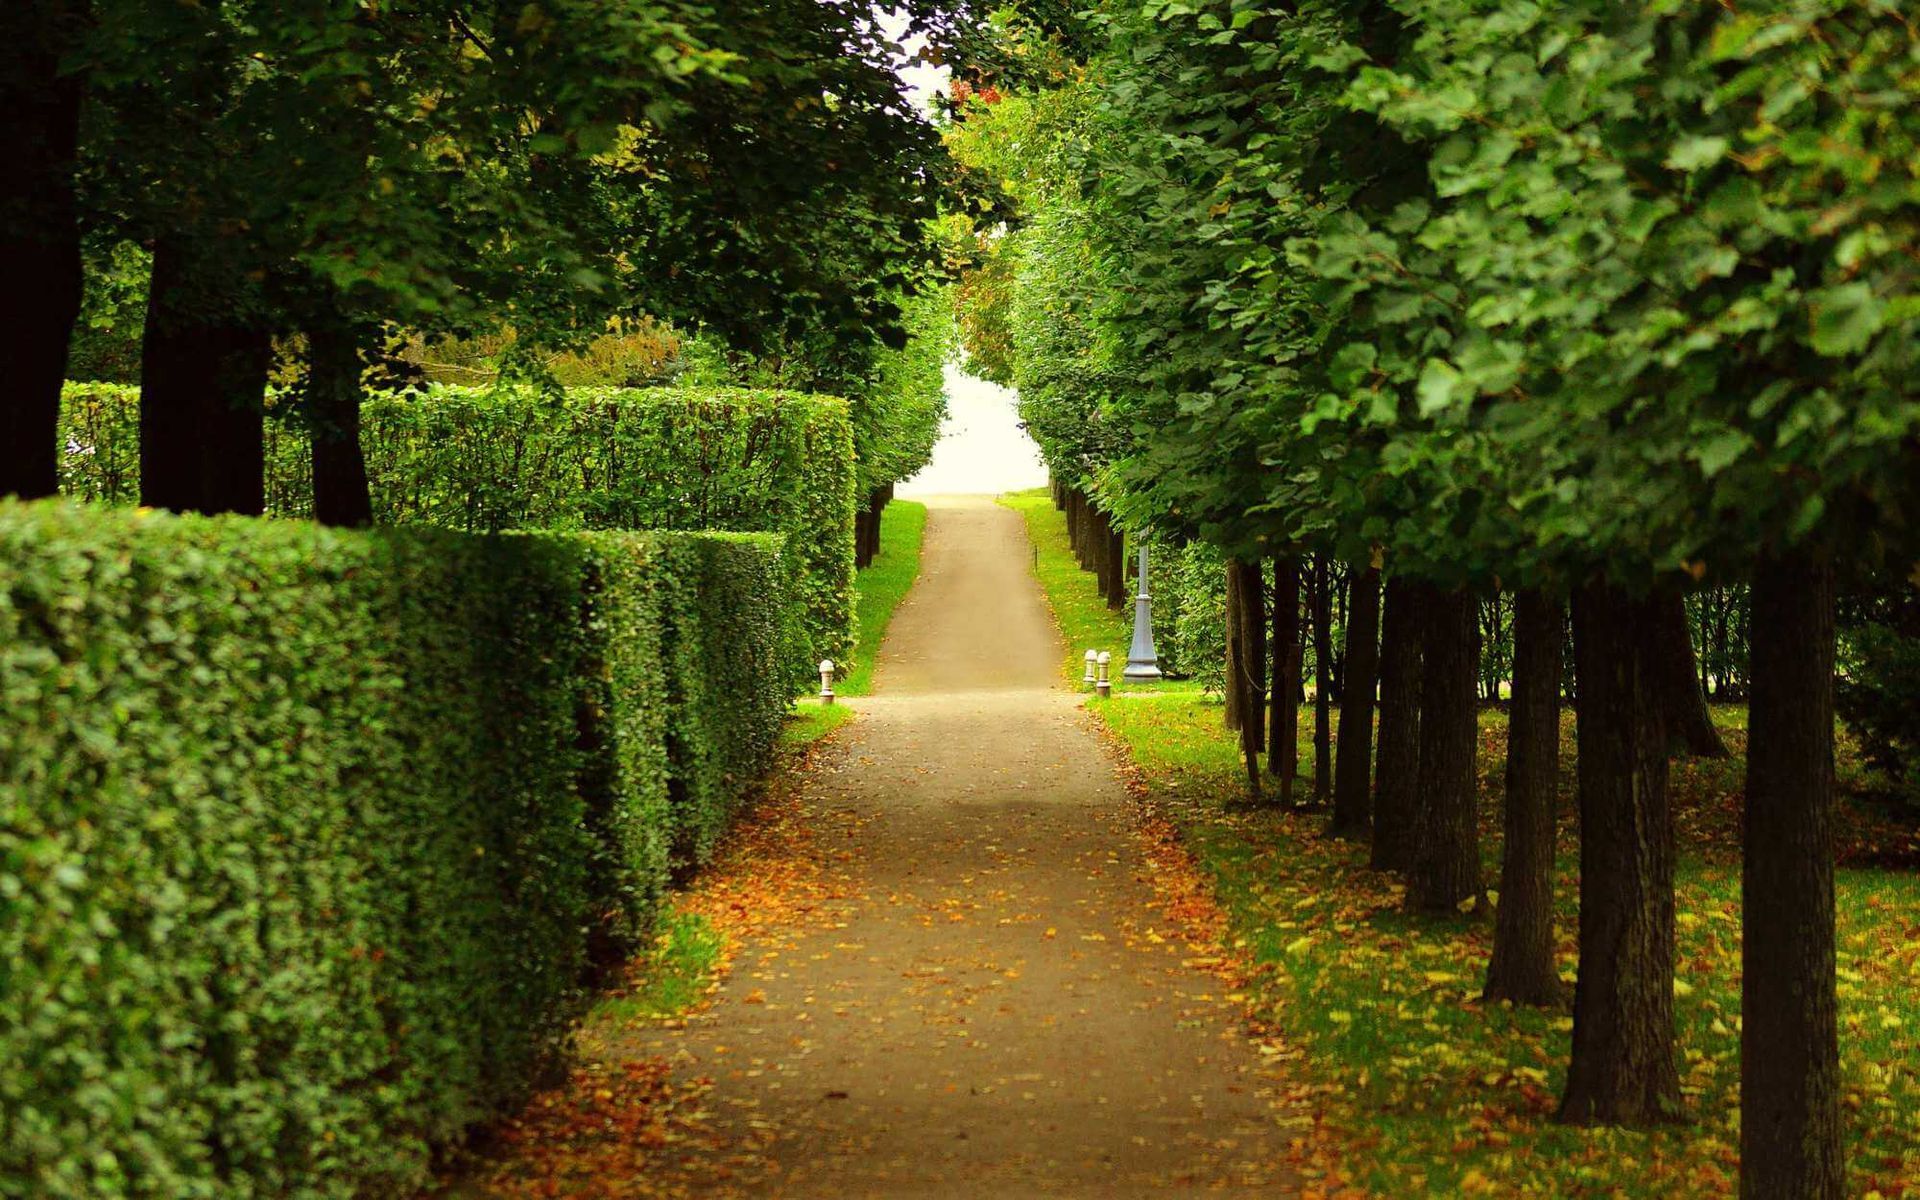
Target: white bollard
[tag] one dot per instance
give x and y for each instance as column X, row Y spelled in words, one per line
column 826, row 681
column 1092, row 658
column 1102, row 684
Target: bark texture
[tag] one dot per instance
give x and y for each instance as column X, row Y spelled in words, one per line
column 341, row 495
column 203, row 374
column 40, row 274
column 1251, row 632
column 1397, row 780
column 1352, row 772
column 1445, row 871
column 1689, row 721
column 1622, row 1070
column 1283, row 723
column 1790, row 1132
column 1322, row 682
column 1522, row 968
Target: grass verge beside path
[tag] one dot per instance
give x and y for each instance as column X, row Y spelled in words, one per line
column 879, row 589
column 1422, row 1089
column 679, row 970
column 1082, row 614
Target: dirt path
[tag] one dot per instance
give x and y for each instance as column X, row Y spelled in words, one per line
column 993, row 1006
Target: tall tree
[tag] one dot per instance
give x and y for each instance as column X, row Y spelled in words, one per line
column 1352, row 796
column 1396, row 791
column 1283, row 719
column 40, row 276
column 1522, row 968
column 1249, row 632
column 1322, row 617
column 1445, row 871
column 1790, row 1127
column 1623, row 1071
column 1689, row 720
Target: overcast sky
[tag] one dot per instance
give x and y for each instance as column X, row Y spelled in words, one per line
column 922, row 81
column 982, row 447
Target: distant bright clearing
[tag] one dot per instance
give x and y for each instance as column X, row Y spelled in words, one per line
column 982, row 448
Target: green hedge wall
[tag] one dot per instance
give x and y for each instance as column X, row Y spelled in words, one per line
column 483, row 460
column 309, row 840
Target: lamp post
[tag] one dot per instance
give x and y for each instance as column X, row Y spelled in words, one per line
column 1142, row 661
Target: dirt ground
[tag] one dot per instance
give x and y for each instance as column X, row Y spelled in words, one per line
column 987, row 1002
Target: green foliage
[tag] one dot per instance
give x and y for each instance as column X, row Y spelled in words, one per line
column 1192, row 590
column 1083, row 616
column 308, row 838
column 1508, row 291
column 513, row 458
column 1879, row 687
column 727, row 641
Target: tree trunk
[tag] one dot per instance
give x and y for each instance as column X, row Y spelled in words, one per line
column 1252, row 633
column 1622, row 1072
column 866, row 526
column 881, row 498
column 203, row 374
column 1094, row 541
column 1352, row 799
column 1322, row 683
column 1283, row 728
column 1397, row 780
column 341, row 495
column 1445, row 873
column 1790, row 1128
column 1116, row 569
column 1103, row 557
column 1522, row 968
column 1689, row 721
column 40, row 273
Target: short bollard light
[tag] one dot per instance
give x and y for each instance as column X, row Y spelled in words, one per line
column 1102, row 684
column 826, row 681
column 1093, row 658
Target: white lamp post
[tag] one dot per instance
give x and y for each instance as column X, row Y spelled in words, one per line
column 1142, row 660
column 826, row 681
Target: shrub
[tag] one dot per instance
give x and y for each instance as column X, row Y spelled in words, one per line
column 1191, row 591
column 308, row 838
column 1879, row 687
column 484, row 460
column 728, row 692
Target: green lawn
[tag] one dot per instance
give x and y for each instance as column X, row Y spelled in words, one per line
column 674, row 974
column 1084, row 619
column 1426, row 1091
column 879, row 589
column 881, row 586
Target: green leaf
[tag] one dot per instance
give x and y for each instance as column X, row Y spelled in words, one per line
column 1694, row 152
column 1718, row 451
column 1845, row 318
column 1441, row 387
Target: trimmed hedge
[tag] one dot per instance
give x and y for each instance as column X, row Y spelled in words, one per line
column 484, row 460
column 310, row 840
